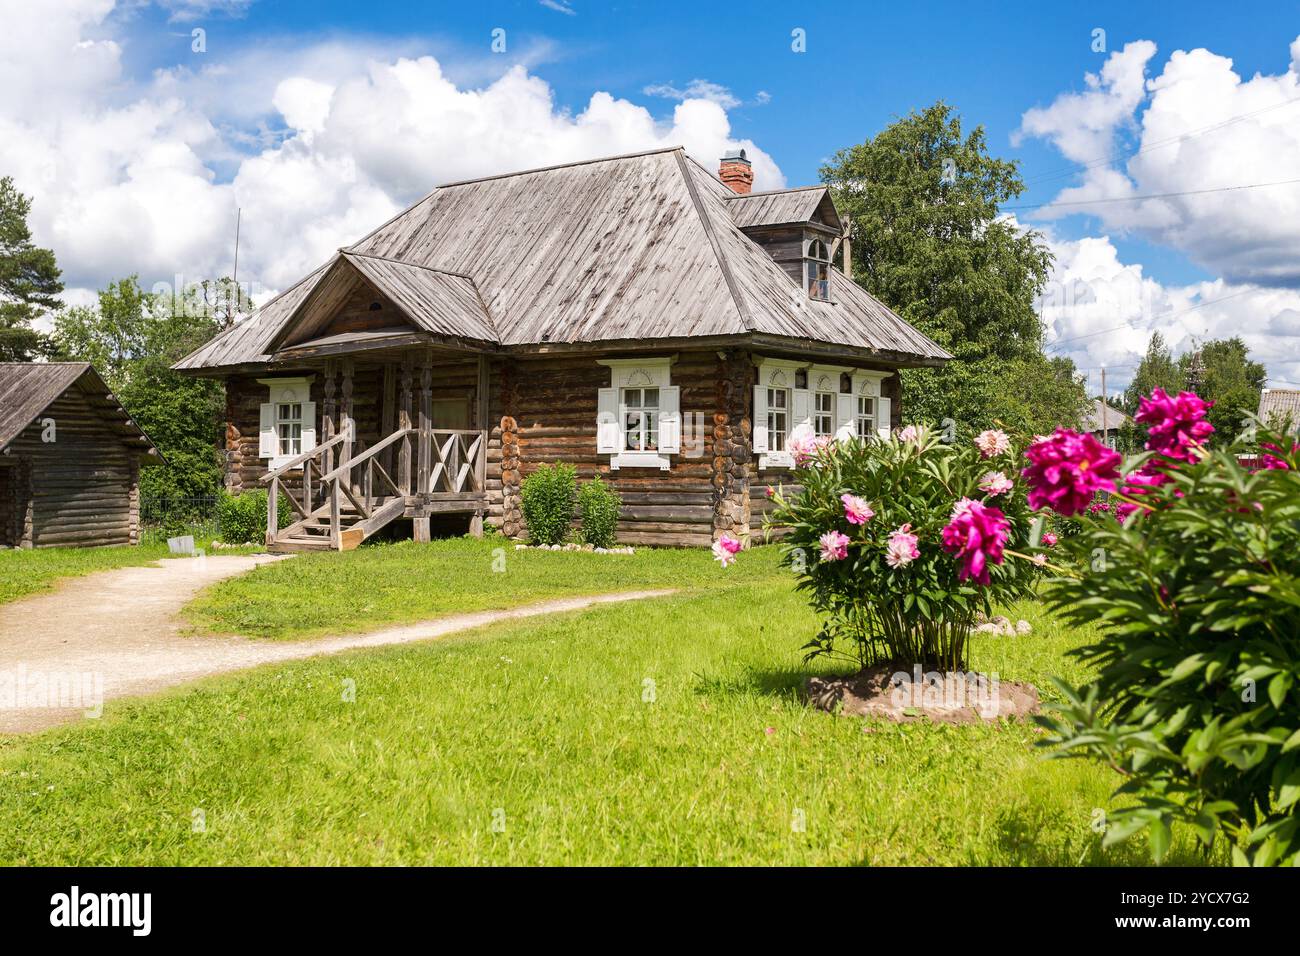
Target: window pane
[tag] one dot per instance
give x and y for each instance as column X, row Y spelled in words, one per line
column 632, row 397
column 652, row 398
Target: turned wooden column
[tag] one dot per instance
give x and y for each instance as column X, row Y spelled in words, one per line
column 406, row 381
column 346, row 422
column 329, row 414
column 426, row 421
column 512, row 514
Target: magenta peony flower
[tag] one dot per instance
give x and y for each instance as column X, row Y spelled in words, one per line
column 977, row 537
column 962, row 506
column 1174, row 425
column 1136, row 484
column 725, row 548
column 902, row 547
column 835, row 546
column 1049, row 539
column 996, row 483
column 1272, row 462
column 992, row 442
column 856, row 510
column 1067, row 470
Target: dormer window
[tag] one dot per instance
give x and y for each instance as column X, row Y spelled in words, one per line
column 817, row 271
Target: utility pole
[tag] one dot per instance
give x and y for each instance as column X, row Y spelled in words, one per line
column 1105, row 424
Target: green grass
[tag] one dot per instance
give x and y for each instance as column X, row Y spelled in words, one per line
column 337, row 593
column 26, row 571
column 546, row 727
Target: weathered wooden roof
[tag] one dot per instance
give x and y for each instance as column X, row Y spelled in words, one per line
column 782, row 207
column 1114, row 417
column 621, row 250
column 1280, row 403
column 27, row 389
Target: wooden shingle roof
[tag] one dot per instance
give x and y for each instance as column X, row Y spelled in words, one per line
column 780, row 207
column 623, row 250
column 1114, row 418
column 1280, row 404
column 27, row 389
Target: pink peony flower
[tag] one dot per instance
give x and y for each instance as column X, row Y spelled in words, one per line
column 1040, row 559
column 902, row 548
column 1272, row 462
column 996, row 483
column 992, row 442
column 976, row 537
column 856, row 510
column 1049, row 539
column 1174, row 425
column 835, row 546
column 1067, row 470
column 725, row 548
column 910, row 433
column 806, row 448
column 962, row 506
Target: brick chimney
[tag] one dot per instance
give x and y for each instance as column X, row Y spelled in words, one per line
column 736, row 171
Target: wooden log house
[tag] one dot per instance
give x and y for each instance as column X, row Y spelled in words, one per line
column 637, row 317
column 70, row 459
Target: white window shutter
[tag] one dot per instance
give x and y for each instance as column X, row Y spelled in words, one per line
column 608, row 434
column 670, row 420
column 308, row 426
column 267, row 444
column 802, row 411
column 883, row 415
column 760, row 419
column 845, row 415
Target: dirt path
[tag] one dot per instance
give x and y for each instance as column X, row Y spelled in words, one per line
column 116, row 634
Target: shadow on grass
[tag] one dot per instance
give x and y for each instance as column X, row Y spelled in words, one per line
column 1032, row 838
column 778, row 682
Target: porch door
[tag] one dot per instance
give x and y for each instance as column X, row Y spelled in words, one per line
column 8, row 504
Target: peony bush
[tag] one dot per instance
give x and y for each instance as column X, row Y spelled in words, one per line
column 1189, row 570
column 900, row 543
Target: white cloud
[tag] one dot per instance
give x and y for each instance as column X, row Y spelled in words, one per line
column 696, row 89
column 145, row 174
column 559, row 6
column 1200, row 127
column 1101, row 311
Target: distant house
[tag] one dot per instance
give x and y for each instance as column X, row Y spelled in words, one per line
column 638, row 317
column 1104, row 422
column 1280, row 407
column 70, row 459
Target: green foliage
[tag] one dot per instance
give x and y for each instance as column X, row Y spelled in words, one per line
column 29, row 280
column 1197, row 603
column 598, row 506
column 242, row 518
column 548, row 497
column 924, row 198
column 919, row 612
column 1220, row 371
column 133, row 337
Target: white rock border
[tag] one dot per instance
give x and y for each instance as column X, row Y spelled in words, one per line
column 589, row 548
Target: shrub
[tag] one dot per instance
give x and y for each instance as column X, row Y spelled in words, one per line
column 599, row 505
column 548, row 495
column 242, row 518
column 900, row 542
column 1196, row 597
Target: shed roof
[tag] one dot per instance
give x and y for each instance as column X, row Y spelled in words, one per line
column 1281, row 403
column 27, row 389
column 783, row 206
column 620, row 250
column 1092, row 422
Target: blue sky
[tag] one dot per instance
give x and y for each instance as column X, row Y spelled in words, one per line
column 320, row 119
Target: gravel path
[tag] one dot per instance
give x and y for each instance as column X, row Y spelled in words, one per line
column 116, row 634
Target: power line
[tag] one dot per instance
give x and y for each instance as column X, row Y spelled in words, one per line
column 1189, row 192
column 1162, row 316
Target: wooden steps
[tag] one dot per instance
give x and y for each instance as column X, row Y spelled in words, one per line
column 313, row 532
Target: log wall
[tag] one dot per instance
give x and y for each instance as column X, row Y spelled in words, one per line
column 81, row 489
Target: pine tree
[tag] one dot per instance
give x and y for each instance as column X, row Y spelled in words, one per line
column 29, row 280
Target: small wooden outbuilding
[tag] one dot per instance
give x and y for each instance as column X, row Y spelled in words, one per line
column 70, row 459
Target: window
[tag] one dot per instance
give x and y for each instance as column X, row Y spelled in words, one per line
column 288, row 428
column 638, row 419
column 641, row 419
column 823, row 414
column 817, row 271
column 778, row 418
column 866, row 417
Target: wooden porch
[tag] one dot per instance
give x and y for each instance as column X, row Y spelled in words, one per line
column 342, row 491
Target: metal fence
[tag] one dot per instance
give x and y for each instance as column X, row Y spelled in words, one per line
column 173, row 511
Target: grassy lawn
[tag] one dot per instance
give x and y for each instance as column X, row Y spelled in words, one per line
column 26, row 571
column 331, row 593
column 549, row 733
